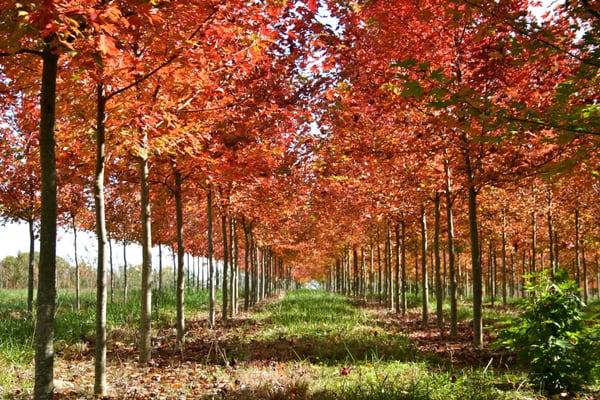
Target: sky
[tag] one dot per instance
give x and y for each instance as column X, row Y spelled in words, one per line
column 14, row 238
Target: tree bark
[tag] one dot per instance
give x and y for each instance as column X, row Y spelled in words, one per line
column 112, row 274
column 597, row 276
column 403, row 268
column 362, row 273
column 160, row 268
column 247, row 252
column 533, row 241
column 355, row 270
column 225, row 290
column 585, row 275
column 451, row 253
column 577, row 247
column 492, row 271
column 125, row 268
column 550, row 231
column 234, row 268
column 556, row 259
column 504, row 290
column 425, row 283
column 180, row 267
column 438, row 278
column 389, row 284
column 46, row 293
column 174, row 260
column 397, row 294
column 475, row 259
column 146, row 292
column 30, row 268
column 379, row 277
column 76, row 259
column 211, row 267
column 100, row 356
column 371, row 270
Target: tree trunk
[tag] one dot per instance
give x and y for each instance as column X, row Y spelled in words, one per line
column 100, row 357
column 425, row 284
column 577, row 247
column 444, row 270
column 438, row 277
column 504, row 291
column 174, row 261
column 513, row 282
column 397, row 294
column 211, row 267
column 76, row 258
column 225, row 291
column 180, row 268
column 146, row 292
column 556, row 259
column 203, row 273
column 247, row 252
column 475, row 259
column 234, row 268
column 417, row 280
column 125, row 267
column 46, row 293
column 379, row 274
column 355, row 271
column 187, row 271
column 362, row 273
column 585, row 276
column 451, row 253
column 198, row 273
column 523, row 273
column 255, row 280
column 389, row 284
column 30, row 267
column 597, row 276
column 533, row 241
column 403, row 268
column 160, row 268
column 371, row 270
column 112, row 274
column 550, row 231
column 492, row 271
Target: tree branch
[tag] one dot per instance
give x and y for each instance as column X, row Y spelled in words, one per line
column 530, row 35
column 163, row 64
column 21, row 51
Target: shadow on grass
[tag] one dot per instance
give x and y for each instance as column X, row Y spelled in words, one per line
column 310, row 326
column 390, row 387
column 77, row 328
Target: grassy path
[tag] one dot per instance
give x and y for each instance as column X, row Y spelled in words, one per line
column 307, row 345
column 318, row 345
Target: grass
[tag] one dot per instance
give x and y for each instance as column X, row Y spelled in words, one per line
column 342, row 353
column 309, row 345
column 325, row 328
column 74, row 330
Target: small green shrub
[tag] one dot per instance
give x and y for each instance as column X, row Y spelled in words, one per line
column 551, row 336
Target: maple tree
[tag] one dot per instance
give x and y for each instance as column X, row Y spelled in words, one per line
column 372, row 154
column 20, row 193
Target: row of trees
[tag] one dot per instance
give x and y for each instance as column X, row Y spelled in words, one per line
column 408, row 256
column 192, row 125
column 454, row 103
column 146, row 112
